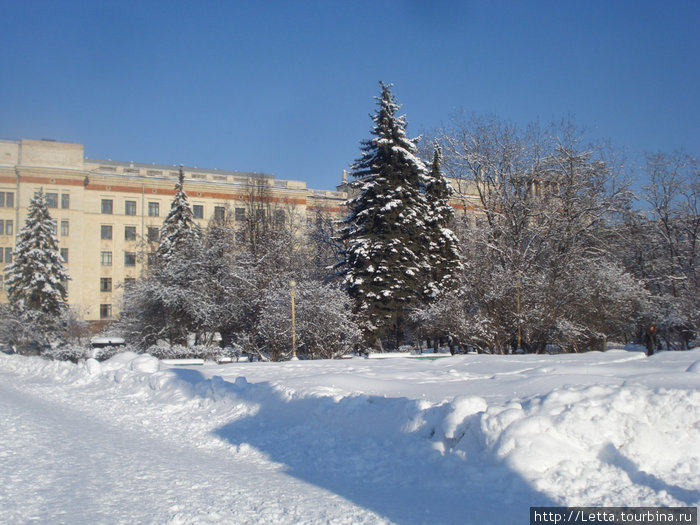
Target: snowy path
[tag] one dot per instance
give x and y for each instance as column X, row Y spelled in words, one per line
column 60, row 465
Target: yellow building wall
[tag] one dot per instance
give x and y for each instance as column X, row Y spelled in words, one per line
column 60, row 168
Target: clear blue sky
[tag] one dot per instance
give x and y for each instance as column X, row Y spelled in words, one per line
column 286, row 87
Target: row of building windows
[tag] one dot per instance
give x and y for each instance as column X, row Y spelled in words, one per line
column 52, row 200
column 6, row 255
column 106, row 283
column 7, row 199
column 107, row 208
column 129, row 258
column 106, row 233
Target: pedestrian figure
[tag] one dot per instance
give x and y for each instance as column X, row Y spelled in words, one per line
column 651, row 340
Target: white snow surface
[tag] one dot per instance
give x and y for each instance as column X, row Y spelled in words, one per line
column 464, row 439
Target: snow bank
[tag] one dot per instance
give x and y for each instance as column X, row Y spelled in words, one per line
column 593, row 429
column 577, row 443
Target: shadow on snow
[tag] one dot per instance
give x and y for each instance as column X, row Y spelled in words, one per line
column 612, row 456
column 380, row 453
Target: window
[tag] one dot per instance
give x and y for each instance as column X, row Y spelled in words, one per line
column 7, row 199
column 129, row 233
column 260, row 215
column 107, row 206
column 6, row 227
column 153, row 209
column 105, row 311
column 65, row 201
column 105, row 284
column 240, row 236
column 52, row 200
column 152, row 234
column 8, row 255
column 240, row 214
column 198, row 211
column 151, row 259
column 64, row 255
column 129, row 207
column 1, row 252
column 65, row 229
column 279, row 217
column 106, row 258
column 52, row 227
column 128, row 281
column 129, row 258
column 219, row 213
column 106, row 232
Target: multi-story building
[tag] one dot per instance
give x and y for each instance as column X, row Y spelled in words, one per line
column 108, row 212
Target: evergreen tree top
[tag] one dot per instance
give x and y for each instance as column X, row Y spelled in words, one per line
column 390, row 141
column 437, row 188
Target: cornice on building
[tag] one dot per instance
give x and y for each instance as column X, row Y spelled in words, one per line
column 31, row 157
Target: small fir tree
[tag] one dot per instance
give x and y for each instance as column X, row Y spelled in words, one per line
column 385, row 231
column 179, row 227
column 36, row 278
column 171, row 301
column 443, row 249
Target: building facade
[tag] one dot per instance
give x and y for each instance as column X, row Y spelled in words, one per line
column 108, row 213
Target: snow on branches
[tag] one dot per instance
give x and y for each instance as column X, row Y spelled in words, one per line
column 36, row 278
column 394, row 232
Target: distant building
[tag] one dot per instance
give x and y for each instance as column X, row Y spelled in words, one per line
column 107, row 211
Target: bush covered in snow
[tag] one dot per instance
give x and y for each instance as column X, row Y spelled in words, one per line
column 73, row 353
column 206, row 352
column 325, row 325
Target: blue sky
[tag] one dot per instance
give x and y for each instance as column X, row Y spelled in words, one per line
column 287, row 87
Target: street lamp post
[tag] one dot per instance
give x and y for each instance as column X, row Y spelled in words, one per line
column 292, row 287
column 520, row 333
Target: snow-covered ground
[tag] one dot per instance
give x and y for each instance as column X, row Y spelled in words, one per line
column 464, row 439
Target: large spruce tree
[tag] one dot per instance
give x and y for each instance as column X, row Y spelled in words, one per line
column 36, row 278
column 386, row 233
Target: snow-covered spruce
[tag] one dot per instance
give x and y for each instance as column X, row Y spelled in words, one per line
column 386, row 231
column 443, row 245
column 179, row 227
column 36, row 278
column 169, row 302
